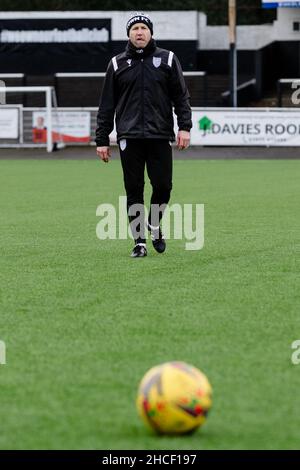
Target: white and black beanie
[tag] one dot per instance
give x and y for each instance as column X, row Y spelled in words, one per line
column 139, row 18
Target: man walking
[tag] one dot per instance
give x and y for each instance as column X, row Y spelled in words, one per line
column 141, row 86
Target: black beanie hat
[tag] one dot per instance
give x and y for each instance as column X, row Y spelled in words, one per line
column 139, row 18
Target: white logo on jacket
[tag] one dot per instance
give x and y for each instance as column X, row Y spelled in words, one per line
column 129, row 62
column 156, row 61
column 123, row 144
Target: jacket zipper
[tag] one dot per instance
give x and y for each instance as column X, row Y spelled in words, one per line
column 142, row 92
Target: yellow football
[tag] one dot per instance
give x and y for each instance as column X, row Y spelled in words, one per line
column 174, row 398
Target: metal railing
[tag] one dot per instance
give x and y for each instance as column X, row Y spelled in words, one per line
column 240, row 88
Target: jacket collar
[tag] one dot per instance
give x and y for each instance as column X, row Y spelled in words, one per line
column 132, row 51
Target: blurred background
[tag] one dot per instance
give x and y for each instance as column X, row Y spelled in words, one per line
column 67, row 45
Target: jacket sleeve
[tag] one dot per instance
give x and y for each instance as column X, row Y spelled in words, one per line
column 180, row 97
column 106, row 111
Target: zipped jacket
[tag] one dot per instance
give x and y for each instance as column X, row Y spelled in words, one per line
column 141, row 87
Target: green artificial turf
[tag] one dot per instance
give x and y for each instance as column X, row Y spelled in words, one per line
column 83, row 322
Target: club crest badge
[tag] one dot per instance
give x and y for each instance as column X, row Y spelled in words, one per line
column 156, row 61
column 123, row 144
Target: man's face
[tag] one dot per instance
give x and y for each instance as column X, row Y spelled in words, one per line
column 40, row 122
column 139, row 35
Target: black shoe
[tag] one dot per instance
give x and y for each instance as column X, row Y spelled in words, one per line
column 139, row 251
column 157, row 238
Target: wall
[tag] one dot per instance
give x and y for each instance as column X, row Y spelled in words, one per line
column 177, row 31
column 168, row 25
column 188, row 26
column 250, row 37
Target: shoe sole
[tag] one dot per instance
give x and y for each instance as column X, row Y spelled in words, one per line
column 139, row 256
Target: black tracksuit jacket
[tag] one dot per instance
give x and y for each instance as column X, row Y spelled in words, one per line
column 141, row 86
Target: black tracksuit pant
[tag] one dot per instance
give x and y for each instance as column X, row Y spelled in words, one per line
column 156, row 155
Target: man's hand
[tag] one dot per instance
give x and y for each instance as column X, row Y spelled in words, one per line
column 183, row 140
column 104, row 153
